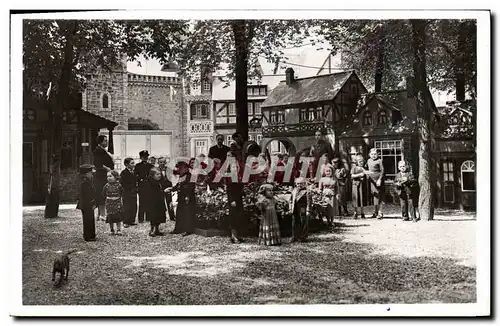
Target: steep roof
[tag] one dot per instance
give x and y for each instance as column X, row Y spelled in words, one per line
column 312, row 89
column 403, row 122
column 221, row 91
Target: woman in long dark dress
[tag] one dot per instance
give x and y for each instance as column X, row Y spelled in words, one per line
column 156, row 209
column 186, row 201
column 103, row 162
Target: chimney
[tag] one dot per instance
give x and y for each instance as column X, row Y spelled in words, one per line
column 290, row 78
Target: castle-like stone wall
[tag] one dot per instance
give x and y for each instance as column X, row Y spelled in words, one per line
column 158, row 100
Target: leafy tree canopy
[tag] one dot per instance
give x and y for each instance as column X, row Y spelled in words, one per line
column 361, row 40
column 98, row 44
column 211, row 44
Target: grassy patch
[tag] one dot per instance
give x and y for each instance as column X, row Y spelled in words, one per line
column 367, row 261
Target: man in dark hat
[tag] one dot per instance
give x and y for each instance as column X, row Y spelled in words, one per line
column 86, row 201
column 219, row 150
column 141, row 171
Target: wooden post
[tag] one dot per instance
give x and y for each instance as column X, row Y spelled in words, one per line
column 111, row 147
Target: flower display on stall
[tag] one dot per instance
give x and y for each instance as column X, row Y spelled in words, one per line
column 320, row 200
column 282, row 207
column 211, row 204
column 250, row 197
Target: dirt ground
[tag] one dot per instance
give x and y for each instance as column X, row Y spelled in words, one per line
column 362, row 261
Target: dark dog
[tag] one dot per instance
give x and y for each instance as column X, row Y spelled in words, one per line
column 61, row 266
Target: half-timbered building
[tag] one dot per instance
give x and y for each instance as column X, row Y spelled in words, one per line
column 298, row 107
column 354, row 121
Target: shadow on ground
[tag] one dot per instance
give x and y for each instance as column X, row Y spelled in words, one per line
column 171, row 270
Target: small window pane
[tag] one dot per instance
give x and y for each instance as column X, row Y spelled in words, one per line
column 257, row 110
column 232, row 110
column 389, row 165
column 445, row 167
column 445, row 177
column 450, row 176
column 222, row 112
column 220, row 120
column 468, row 181
column 232, row 119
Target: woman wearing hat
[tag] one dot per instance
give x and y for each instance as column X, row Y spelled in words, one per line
column 186, row 200
column 103, row 162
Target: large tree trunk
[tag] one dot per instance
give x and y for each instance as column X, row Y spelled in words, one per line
column 425, row 202
column 459, row 63
column 241, row 45
column 379, row 69
column 52, row 202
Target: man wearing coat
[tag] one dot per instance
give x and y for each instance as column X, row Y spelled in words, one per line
column 219, row 150
column 141, row 171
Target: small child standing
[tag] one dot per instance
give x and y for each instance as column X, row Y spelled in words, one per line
column 376, row 180
column 269, row 230
column 358, row 178
column 406, row 186
column 329, row 185
column 86, row 201
column 341, row 175
column 113, row 194
column 156, row 207
column 300, row 206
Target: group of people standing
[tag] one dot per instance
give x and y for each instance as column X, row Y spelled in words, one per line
column 115, row 194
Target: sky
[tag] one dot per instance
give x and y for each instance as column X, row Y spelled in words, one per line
column 306, row 55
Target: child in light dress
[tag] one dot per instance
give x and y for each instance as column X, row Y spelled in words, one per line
column 269, row 230
column 329, row 185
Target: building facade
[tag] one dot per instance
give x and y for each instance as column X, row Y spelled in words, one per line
column 211, row 107
column 354, row 121
column 211, row 110
column 147, row 108
column 79, row 132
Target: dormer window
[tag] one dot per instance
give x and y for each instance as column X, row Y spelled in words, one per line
column 367, row 118
column 205, row 80
column 253, row 90
column 382, row 118
column 206, row 85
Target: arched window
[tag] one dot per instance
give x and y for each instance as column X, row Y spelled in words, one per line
column 105, row 101
column 367, row 118
column 382, row 118
column 468, row 171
